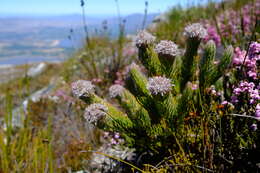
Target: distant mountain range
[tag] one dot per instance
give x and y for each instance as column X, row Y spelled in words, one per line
column 48, row 36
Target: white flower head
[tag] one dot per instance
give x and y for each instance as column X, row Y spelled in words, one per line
column 115, row 90
column 144, row 38
column 95, row 112
column 166, row 47
column 195, row 30
column 159, row 85
column 82, row 88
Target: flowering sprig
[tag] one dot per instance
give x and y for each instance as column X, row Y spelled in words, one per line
column 245, row 89
column 254, row 51
column 248, row 61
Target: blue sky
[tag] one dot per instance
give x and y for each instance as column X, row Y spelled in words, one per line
column 93, row 7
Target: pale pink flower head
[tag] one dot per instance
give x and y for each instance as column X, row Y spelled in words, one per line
column 167, row 48
column 95, row 112
column 116, row 90
column 144, row 38
column 195, row 30
column 82, row 88
column 159, row 85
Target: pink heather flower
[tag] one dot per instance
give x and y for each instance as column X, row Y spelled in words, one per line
column 95, row 112
column 238, row 56
column 195, row 30
column 224, row 102
column 250, row 64
column 166, row 47
column 115, row 90
column 246, row 88
column 212, row 34
column 194, row 86
column 234, row 99
column 113, row 141
column 257, row 111
column 253, row 127
column 116, row 136
column 254, row 50
column 144, row 38
column 237, row 91
column 82, row 88
column 159, row 85
column 252, row 74
column 230, row 21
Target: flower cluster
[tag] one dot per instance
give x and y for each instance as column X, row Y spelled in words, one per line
column 245, row 90
column 113, row 138
column 95, row 112
column 249, row 61
column 233, row 23
column 212, row 34
column 82, row 88
column 159, row 85
column 254, row 51
column 195, row 30
column 239, row 56
column 115, row 90
column 144, row 38
column 166, row 47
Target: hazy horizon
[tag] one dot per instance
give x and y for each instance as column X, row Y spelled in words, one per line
column 92, row 7
column 69, row 14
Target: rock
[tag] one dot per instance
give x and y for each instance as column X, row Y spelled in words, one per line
column 19, row 113
column 36, row 69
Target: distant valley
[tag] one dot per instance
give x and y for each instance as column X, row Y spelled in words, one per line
column 33, row 37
